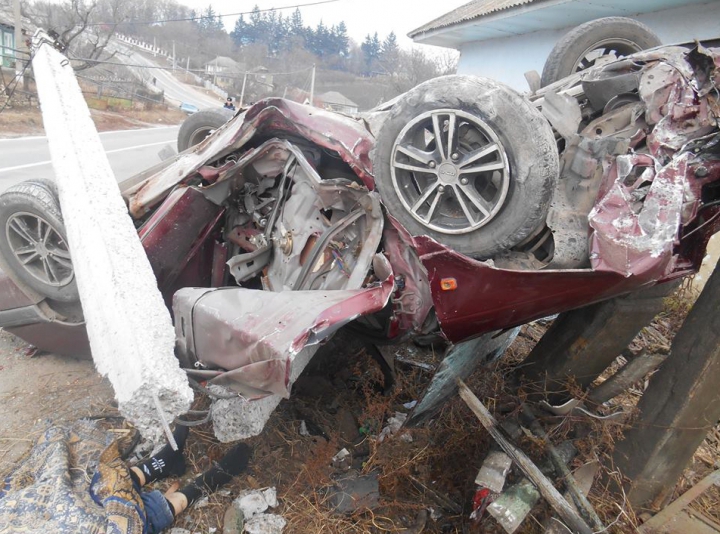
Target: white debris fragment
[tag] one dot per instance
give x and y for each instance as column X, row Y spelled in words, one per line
column 252, row 505
column 393, row 426
column 341, row 455
column 303, row 429
column 253, row 502
column 265, row 524
column 201, row 503
column 410, row 405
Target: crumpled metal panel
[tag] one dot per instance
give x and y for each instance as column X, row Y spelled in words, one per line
column 268, row 118
column 638, row 241
column 645, row 198
column 255, row 335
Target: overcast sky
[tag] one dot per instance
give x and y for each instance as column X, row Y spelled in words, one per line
column 360, row 16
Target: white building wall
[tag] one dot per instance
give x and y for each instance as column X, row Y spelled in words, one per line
column 508, row 59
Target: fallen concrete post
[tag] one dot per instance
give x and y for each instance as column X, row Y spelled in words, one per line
column 678, row 409
column 130, row 330
column 582, row 343
column 635, row 370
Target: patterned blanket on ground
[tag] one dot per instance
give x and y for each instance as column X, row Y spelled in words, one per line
column 73, row 481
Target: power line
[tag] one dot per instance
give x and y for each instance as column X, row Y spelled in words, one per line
column 219, row 16
column 158, row 67
column 17, row 82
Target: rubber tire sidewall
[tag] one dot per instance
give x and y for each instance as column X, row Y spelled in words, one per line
column 206, row 118
column 566, row 52
column 39, row 198
column 529, row 145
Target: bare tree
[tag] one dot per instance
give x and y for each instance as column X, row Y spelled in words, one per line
column 414, row 68
column 84, row 28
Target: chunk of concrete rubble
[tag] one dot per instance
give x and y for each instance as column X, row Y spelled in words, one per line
column 342, row 460
column 246, row 514
column 265, row 524
column 355, row 493
column 252, row 502
column 393, row 426
column 236, row 418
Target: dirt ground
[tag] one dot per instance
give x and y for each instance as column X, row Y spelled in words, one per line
column 340, row 399
column 27, row 120
column 38, row 389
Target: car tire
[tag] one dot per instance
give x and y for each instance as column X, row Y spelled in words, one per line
column 34, row 241
column 512, row 182
column 620, row 35
column 201, row 124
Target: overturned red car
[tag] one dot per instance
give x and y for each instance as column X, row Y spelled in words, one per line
column 459, row 209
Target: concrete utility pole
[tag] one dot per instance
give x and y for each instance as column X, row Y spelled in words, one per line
column 312, row 86
column 242, row 91
column 678, row 409
column 174, row 55
column 130, row 330
column 18, row 41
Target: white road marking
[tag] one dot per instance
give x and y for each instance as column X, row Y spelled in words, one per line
column 38, row 163
column 135, row 130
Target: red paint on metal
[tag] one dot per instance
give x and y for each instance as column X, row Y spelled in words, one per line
column 176, row 231
column 12, row 295
column 57, row 338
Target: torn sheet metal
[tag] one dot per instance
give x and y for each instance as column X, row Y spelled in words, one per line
column 268, row 118
column 632, row 235
column 254, row 336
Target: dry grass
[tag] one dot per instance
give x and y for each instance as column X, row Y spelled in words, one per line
column 24, row 120
column 340, row 396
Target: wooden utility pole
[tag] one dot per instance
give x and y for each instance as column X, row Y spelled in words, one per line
column 678, row 409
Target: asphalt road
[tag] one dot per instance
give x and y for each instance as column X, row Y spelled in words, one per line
column 129, row 152
column 174, row 88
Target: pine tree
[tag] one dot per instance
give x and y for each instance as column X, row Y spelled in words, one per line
column 240, row 32
column 371, row 50
column 390, row 53
column 297, row 28
column 343, row 41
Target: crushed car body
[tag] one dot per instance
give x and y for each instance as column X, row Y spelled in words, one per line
column 290, row 222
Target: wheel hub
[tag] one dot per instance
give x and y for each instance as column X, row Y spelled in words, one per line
column 39, row 249
column 448, row 173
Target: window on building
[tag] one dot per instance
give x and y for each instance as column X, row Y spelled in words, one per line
column 8, row 44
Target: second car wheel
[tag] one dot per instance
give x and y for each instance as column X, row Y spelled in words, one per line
column 467, row 161
column 597, row 40
column 33, row 241
column 201, row 124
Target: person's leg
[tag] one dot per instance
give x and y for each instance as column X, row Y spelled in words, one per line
column 165, row 463
column 234, row 462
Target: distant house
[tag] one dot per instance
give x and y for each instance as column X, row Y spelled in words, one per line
column 334, row 101
column 503, row 39
column 262, row 76
column 223, row 71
